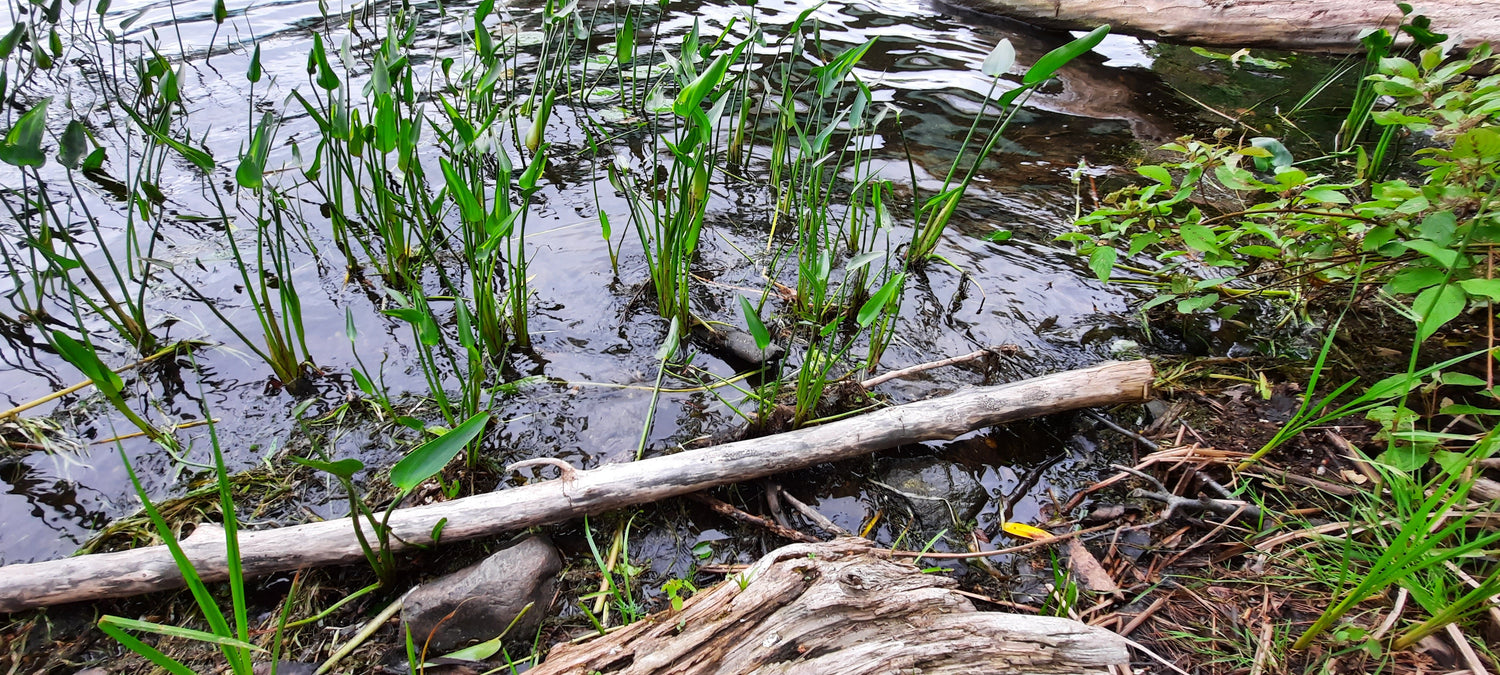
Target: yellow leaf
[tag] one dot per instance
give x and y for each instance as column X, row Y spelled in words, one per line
column 1025, row 531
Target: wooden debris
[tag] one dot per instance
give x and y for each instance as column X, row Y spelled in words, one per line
column 840, row 607
column 143, row 570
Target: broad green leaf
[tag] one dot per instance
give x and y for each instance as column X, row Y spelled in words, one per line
column 881, row 299
column 1405, row 457
column 8, row 43
column 429, row 458
column 1001, row 58
column 343, row 468
column 1236, row 178
column 753, row 322
column 1102, row 261
column 1447, row 257
column 1413, row 279
column 1489, row 288
column 1193, row 304
column 75, row 140
column 1046, row 66
column 1199, row 238
column 1436, row 306
column 1156, row 173
column 1461, row 380
column 23, row 144
column 86, row 359
column 251, row 172
column 1326, row 195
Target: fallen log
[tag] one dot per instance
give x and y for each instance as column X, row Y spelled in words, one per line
column 143, row 570
column 839, row 607
column 1326, row 25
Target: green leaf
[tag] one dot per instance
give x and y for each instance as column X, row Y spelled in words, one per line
column 8, row 43
column 177, row 632
column 429, row 458
column 86, row 359
column 1195, row 303
column 1102, row 261
column 999, row 236
column 75, row 140
column 1326, row 195
column 1437, row 306
column 220, row 12
column 1046, row 66
column 669, row 346
column 1488, row 288
column 829, row 76
column 1236, row 178
column 1447, row 257
column 251, row 172
column 23, row 144
column 1461, row 380
column 252, row 73
column 1413, row 279
column 1001, row 58
column 753, row 322
column 1156, row 173
column 326, row 78
column 880, row 299
column 1199, row 238
column 1405, row 457
column 343, row 468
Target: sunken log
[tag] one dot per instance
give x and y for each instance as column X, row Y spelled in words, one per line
column 839, row 607
column 580, row 493
column 1324, row 25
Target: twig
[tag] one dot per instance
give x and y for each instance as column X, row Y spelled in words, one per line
column 904, row 372
column 1223, row 507
column 1457, row 636
column 360, row 637
column 1142, row 649
column 1390, row 619
column 1145, row 614
column 1145, row 442
column 725, row 509
column 812, row 514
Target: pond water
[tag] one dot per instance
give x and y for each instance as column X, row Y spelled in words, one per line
column 595, row 334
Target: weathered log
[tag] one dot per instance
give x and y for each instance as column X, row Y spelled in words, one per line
column 839, row 607
column 143, row 570
column 1325, row 25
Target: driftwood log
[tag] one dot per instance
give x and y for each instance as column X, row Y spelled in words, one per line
column 1324, row 25
column 143, row 570
column 845, row 608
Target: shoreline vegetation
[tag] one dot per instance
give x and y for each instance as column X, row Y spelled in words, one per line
column 1322, row 504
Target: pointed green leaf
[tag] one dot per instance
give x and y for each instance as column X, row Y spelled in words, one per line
column 753, row 322
column 1046, row 66
column 429, row 458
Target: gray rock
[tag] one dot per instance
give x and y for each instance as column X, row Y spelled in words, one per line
column 940, row 493
column 485, row 597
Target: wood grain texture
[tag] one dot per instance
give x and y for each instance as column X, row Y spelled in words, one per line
column 839, row 608
column 1331, row 25
column 143, row 570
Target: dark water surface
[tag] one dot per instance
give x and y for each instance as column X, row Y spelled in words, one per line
column 590, row 329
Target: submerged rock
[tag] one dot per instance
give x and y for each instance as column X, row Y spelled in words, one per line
column 738, row 344
column 941, row 493
column 485, row 597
